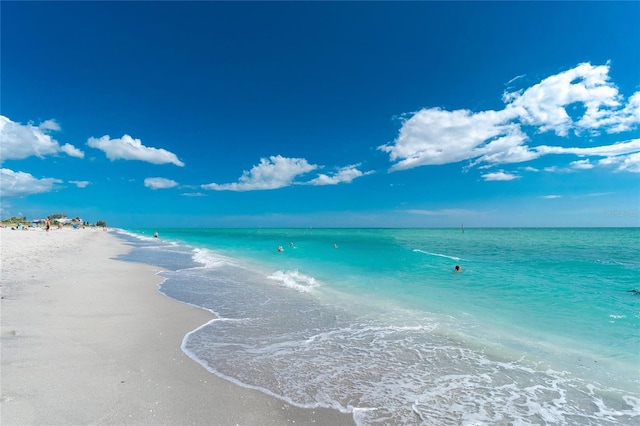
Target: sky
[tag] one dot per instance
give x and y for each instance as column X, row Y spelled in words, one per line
column 321, row 114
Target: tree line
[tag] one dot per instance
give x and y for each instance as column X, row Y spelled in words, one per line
column 14, row 220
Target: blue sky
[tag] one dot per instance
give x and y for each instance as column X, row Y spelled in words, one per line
column 300, row 114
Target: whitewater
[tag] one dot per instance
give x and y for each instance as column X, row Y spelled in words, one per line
column 540, row 327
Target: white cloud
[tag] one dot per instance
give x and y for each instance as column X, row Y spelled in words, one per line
column 128, row 148
column 614, row 121
column 556, row 169
column 544, row 105
column 615, row 149
column 80, row 183
column 19, row 184
column 19, row 141
column 49, row 125
column 71, row 151
column 629, row 163
column 518, row 77
column 193, row 194
column 530, row 169
column 160, row 183
column 272, row 173
column 598, row 194
column 499, row 176
column 343, row 175
column 434, row 136
column 278, row 172
column 551, row 197
column 507, row 149
column 581, row 165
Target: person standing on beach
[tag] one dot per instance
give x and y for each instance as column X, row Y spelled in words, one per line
column 47, row 224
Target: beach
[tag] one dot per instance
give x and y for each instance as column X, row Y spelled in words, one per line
column 89, row 339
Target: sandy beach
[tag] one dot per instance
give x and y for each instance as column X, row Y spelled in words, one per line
column 88, row 339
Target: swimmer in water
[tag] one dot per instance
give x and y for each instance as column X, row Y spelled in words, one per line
column 457, row 268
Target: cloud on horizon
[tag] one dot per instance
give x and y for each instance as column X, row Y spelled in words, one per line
column 19, row 184
column 128, row 148
column 272, row 173
column 19, row 141
column 279, row 172
column 435, row 136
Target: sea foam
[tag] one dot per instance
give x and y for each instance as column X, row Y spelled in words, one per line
column 294, row 280
column 533, row 332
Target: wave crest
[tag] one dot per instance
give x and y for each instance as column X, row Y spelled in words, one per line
column 294, row 280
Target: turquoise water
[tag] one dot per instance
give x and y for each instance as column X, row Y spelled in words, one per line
column 538, row 328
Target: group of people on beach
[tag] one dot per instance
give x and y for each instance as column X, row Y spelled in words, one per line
column 47, row 226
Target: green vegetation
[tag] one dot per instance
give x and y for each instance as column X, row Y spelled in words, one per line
column 59, row 218
column 14, row 221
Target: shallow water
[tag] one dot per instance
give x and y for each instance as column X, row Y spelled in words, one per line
column 538, row 328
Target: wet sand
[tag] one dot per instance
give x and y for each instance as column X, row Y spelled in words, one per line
column 88, row 339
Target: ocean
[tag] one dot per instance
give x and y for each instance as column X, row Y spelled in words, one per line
column 539, row 327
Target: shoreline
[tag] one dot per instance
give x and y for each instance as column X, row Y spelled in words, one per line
column 89, row 339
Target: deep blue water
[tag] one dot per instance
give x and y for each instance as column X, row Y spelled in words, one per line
column 538, row 328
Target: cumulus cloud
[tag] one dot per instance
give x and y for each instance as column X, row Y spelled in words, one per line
column 499, row 176
column 581, row 165
column 343, row 175
column 20, row 184
column 628, row 163
column 80, row 183
column 435, row 136
column 159, row 183
column 71, row 151
column 625, row 119
column 272, row 173
column 544, row 105
column 128, row 148
column 19, row 141
column 279, row 172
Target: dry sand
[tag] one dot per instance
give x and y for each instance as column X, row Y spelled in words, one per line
column 88, row 339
